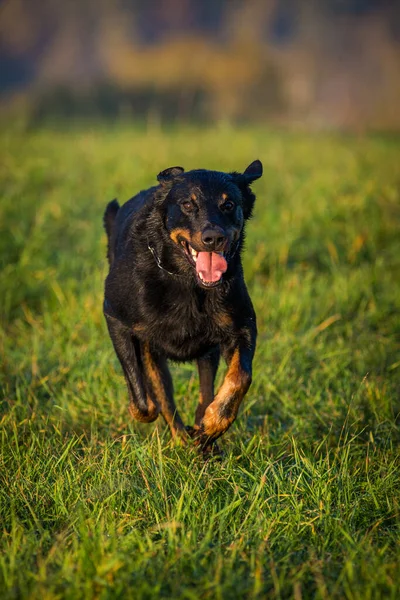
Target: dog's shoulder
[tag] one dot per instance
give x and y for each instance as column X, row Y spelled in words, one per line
column 136, row 206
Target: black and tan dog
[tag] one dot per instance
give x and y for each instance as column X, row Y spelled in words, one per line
column 176, row 291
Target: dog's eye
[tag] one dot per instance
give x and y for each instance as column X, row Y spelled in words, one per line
column 228, row 205
column 187, row 205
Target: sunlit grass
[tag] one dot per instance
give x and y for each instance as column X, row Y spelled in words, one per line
column 306, row 500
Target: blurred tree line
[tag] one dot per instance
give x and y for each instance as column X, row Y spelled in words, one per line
column 319, row 63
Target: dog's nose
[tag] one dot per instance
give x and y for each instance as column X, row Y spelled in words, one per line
column 213, row 239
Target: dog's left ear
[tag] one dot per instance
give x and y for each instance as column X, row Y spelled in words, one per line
column 253, row 171
column 168, row 175
column 243, row 181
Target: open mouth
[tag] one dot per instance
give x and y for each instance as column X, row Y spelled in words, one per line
column 210, row 266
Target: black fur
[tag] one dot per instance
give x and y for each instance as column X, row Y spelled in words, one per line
column 109, row 226
column 158, row 308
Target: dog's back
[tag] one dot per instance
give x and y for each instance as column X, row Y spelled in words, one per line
column 110, row 215
column 117, row 219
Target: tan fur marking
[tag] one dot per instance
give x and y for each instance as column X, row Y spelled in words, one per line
column 224, row 196
column 153, row 411
column 153, row 374
column 234, row 375
column 138, row 328
column 223, row 320
column 197, row 241
column 193, row 196
column 214, row 425
column 151, row 416
column 179, row 233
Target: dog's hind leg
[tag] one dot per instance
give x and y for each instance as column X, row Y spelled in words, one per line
column 207, row 367
column 159, row 387
column 142, row 407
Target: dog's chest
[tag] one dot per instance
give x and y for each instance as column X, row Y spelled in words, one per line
column 183, row 330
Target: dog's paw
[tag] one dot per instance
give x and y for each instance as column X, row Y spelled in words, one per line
column 213, row 451
column 192, row 432
column 208, row 447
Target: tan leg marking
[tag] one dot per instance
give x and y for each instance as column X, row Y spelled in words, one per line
column 151, row 416
column 236, row 383
column 153, row 411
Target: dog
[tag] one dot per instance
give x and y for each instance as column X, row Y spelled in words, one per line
column 175, row 291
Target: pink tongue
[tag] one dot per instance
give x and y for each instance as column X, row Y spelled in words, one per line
column 211, row 265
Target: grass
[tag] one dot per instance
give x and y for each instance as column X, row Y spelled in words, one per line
column 306, row 502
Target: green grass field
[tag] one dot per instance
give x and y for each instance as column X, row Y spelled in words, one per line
column 305, row 503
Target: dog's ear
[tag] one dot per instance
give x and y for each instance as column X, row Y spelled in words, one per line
column 253, row 171
column 243, row 181
column 168, row 175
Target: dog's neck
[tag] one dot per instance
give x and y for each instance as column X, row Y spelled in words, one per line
column 158, row 260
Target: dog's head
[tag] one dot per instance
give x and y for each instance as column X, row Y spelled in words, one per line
column 204, row 214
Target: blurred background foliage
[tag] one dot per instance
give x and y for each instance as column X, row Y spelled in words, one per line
column 321, row 64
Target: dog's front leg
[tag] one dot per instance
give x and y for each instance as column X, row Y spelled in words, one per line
column 222, row 411
column 141, row 406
